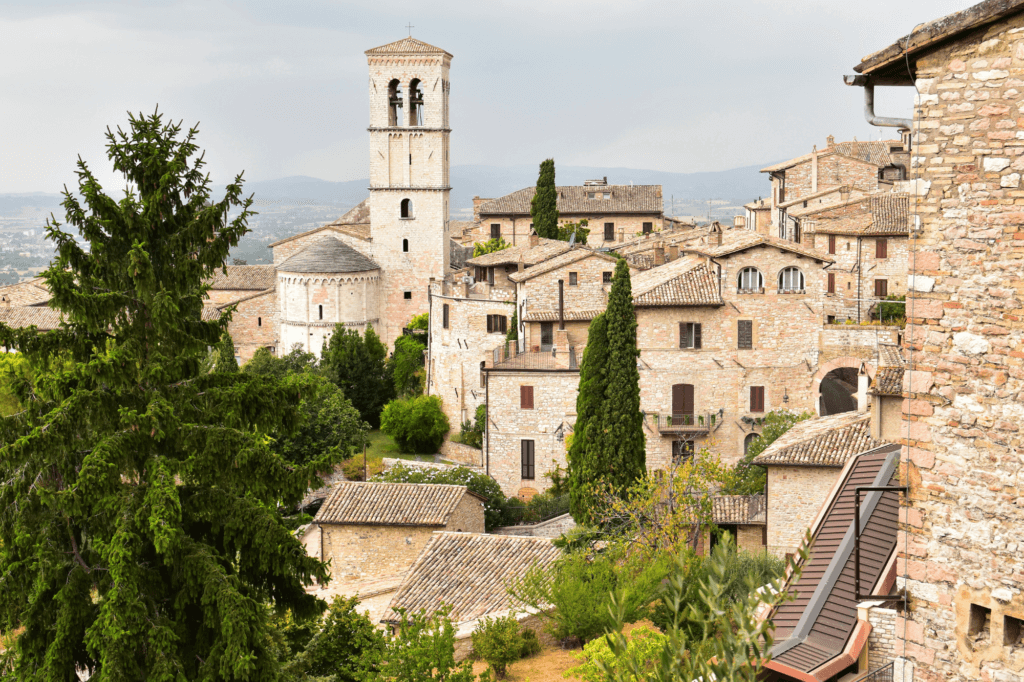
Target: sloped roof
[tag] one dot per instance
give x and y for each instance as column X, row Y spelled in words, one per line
column 573, row 255
column 759, row 205
column 891, row 367
column 552, row 315
column 875, row 152
column 684, row 281
column 821, row 442
column 880, row 214
column 407, row 45
column 355, row 222
column 328, row 254
column 246, row 278
column 210, row 313
column 391, row 504
column 572, row 200
column 812, row 631
column 20, row 317
column 739, row 509
column 30, row 292
column 531, row 255
column 741, row 240
column 469, row 572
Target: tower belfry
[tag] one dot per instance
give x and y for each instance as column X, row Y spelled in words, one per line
column 409, row 177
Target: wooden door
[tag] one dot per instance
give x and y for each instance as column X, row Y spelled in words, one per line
column 682, row 404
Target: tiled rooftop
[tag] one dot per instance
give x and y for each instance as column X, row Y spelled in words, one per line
column 572, row 200
column 469, row 572
column 739, row 509
column 328, row 255
column 246, row 277
column 684, row 281
column 879, row 214
column 408, row 45
column 821, row 441
column 577, row 253
column 390, row 504
column 40, row 316
column 531, row 255
column 735, row 241
column 30, row 292
column 872, row 151
column 891, row 367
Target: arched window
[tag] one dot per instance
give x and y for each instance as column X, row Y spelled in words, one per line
column 259, row 321
column 395, row 103
column 791, row 279
column 415, row 103
column 750, row 279
column 406, row 208
column 405, row 246
column 321, row 311
column 748, row 441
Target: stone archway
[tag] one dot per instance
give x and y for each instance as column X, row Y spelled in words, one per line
column 847, row 362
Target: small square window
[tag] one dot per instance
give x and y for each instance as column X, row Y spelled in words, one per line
column 407, row 295
column 980, row 622
column 606, row 277
column 1013, row 629
column 573, row 279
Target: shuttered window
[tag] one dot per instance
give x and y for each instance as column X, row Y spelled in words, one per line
column 831, row 243
column 648, row 228
column 881, row 288
column 609, row 232
column 831, row 282
column 526, row 397
column 881, row 248
column 573, row 279
column 606, row 277
column 496, row 324
column 495, row 230
column 444, row 316
column 529, row 468
column 745, row 335
column 757, row 398
column 689, row 335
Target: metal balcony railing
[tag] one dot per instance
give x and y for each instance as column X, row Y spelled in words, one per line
column 516, row 355
column 685, row 421
column 883, row 674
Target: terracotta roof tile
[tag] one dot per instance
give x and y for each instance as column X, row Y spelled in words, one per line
column 684, row 281
column 880, row 214
column 741, row 240
column 469, row 572
column 739, row 509
column 30, row 292
column 408, row 45
column 822, row 442
column 327, row 254
column 891, row 367
column 246, row 277
column 876, row 151
column 531, row 255
column 20, row 317
column 390, row 504
column 552, row 315
column 573, row 255
column 572, row 200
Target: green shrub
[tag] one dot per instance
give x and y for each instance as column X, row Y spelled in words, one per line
column 643, row 647
column 472, row 433
column 423, row 650
column 406, row 364
column 490, row 246
column 749, row 478
column 417, row 424
column 344, row 647
column 353, row 467
column 531, row 643
column 499, row 641
column 481, row 484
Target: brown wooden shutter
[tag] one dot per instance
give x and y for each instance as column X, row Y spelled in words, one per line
column 881, row 288
column 445, row 315
column 682, row 335
column 757, row 398
column 831, row 282
column 490, row 324
column 696, row 335
column 831, row 243
column 502, row 324
column 881, row 248
column 745, row 337
column 526, row 397
column 609, row 232
column 495, row 230
column 682, row 399
column 648, row 227
column 528, row 461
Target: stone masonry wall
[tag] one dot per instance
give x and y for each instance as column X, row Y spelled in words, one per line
column 552, row 528
column 255, row 324
column 882, row 640
column 590, row 292
column 366, row 552
column 795, row 496
column 312, row 304
column 468, row 516
column 626, row 227
column 750, row 538
column 853, row 282
column 966, row 339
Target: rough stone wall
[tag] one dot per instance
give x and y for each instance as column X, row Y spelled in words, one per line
column 552, row 528
column 255, row 324
column 795, row 496
column 882, row 640
column 750, row 538
column 840, row 340
column 366, row 552
column 834, row 170
column 312, row 304
column 456, row 352
column 576, row 331
column 468, row 516
column 590, row 292
column 554, row 400
column 626, row 226
column 966, row 343
column 460, row 452
column 856, row 270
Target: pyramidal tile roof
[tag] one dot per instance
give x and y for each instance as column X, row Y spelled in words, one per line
column 328, row 255
column 407, row 46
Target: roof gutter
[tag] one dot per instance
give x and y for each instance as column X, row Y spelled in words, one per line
column 869, row 105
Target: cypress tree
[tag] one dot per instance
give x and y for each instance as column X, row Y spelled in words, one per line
column 358, row 366
column 544, row 206
column 620, row 442
column 584, row 466
column 147, row 541
column 225, row 356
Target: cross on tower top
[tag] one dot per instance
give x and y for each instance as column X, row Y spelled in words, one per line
column 410, row 27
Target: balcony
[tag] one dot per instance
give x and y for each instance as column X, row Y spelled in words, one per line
column 514, row 355
column 685, row 422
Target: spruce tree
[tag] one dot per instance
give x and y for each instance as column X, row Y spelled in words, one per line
column 141, row 537
column 544, row 206
column 584, row 467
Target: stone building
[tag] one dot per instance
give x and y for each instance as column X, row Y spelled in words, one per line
column 744, row 517
column 962, row 561
column 614, row 212
column 371, row 531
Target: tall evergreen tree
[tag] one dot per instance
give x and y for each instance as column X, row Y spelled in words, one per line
column 141, row 537
column 225, row 355
column 544, row 206
column 358, row 366
column 584, row 467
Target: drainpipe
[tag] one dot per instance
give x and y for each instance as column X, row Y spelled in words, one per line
column 859, row 273
column 869, row 105
column 561, row 305
column 430, row 314
column 487, row 423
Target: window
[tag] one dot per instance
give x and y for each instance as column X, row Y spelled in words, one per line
column 405, row 246
column 444, row 316
column 483, row 374
column 573, row 279
column 831, row 282
column 831, row 243
column 407, row 295
column 497, row 324
column 395, row 103
column 259, row 321
column 745, row 334
column 682, row 404
column 529, row 469
column 689, row 335
column 609, row 232
column 750, row 279
column 791, row 279
column 407, row 208
column 748, row 441
column 648, row 228
column 526, row 397
column 495, row 230
column 682, row 450
column 415, row 103
column 881, row 248
column 757, row 398
column 881, row 288
column 606, row 277
column 980, row 621
column 1012, row 629
column 547, row 336
column 321, row 311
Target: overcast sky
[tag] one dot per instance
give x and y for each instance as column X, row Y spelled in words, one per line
column 280, row 88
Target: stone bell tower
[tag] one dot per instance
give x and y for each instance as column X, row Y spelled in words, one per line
column 409, row 180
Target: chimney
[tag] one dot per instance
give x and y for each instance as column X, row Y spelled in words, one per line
column 862, row 389
column 716, row 231
column 659, row 255
column 739, row 221
column 476, row 208
column 673, row 251
column 520, row 266
column 814, row 170
column 854, row 148
column 534, row 239
column 844, row 193
column 830, row 141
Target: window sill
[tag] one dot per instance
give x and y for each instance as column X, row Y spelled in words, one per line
column 409, row 218
column 749, row 291
column 792, row 291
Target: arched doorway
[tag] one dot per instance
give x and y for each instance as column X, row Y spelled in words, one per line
column 835, row 385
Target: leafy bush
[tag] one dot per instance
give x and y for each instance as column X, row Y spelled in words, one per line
column 423, row 650
column 406, row 364
column 539, row 508
column 643, row 647
column 748, row 478
column 345, row 645
column 499, row 641
column 358, row 365
column 265, row 363
column 354, row 469
column 417, row 424
column 481, row 484
column 472, row 433
column 490, row 246
column 892, row 310
column 531, row 643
